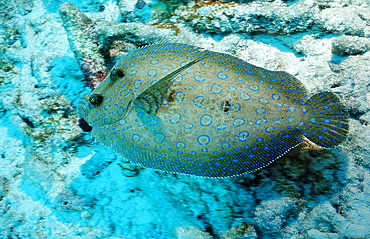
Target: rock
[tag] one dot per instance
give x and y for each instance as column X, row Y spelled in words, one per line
column 350, row 45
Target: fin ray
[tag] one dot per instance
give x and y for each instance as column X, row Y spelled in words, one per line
column 151, row 99
column 327, row 122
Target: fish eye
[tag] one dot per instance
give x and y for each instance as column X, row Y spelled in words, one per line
column 120, row 73
column 96, row 99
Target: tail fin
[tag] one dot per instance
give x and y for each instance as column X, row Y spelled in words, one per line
column 327, row 120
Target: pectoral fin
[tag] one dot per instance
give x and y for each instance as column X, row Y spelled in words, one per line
column 151, row 99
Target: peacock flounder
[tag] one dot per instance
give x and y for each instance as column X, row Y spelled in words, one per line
column 182, row 109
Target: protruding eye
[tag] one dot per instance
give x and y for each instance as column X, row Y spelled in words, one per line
column 96, row 99
column 120, row 73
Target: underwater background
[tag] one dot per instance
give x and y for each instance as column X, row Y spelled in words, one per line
column 57, row 182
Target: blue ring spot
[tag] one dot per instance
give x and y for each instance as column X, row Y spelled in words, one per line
column 198, row 101
column 239, row 78
column 261, row 121
column 243, row 135
column 159, row 137
column 275, row 97
column 203, row 139
column 235, row 107
column 152, row 72
column 244, row 96
column 260, row 140
column 137, row 83
column 183, row 63
column 123, row 91
column 178, row 78
column 199, row 78
column 270, row 129
column 238, row 122
column 216, row 88
column 123, row 85
column 188, row 87
column 291, row 109
column 261, row 110
column 180, row 96
column 133, row 72
column 180, row 145
column 221, row 75
column 290, row 119
column 165, row 70
column 206, row 120
column 225, row 145
column 188, row 126
column 135, row 138
column 232, row 88
column 313, row 120
column 153, row 122
column 254, row 87
column 175, row 118
column 263, row 100
column 121, row 109
column 221, row 126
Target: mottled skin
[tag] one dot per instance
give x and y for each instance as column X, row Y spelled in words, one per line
column 217, row 116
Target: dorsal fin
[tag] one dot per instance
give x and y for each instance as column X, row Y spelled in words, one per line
column 151, row 99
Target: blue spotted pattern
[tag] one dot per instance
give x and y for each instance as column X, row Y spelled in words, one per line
column 183, row 109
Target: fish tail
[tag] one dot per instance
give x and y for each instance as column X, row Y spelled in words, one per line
column 326, row 121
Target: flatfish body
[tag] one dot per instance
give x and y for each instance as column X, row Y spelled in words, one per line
column 182, row 109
